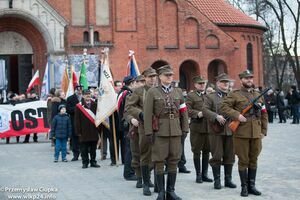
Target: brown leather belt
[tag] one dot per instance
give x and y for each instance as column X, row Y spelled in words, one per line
column 169, row 116
column 253, row 117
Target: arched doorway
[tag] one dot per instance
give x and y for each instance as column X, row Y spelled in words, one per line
column 188, row 69
column 215, row 68
column 23, row 52
column 158, row 64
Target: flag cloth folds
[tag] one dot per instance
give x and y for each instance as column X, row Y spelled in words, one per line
column 71, row 86
column 46, row 83
column 132, row 67
column 69, row 77
column 107, row 100
column 34, row 81
column 83, row 79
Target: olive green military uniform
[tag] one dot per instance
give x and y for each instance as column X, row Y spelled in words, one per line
column 167, row 104
column 134, row 143
column 221, row 142
column 247, row 138
column 199, row 133
column 172, row 123
column 134, row 107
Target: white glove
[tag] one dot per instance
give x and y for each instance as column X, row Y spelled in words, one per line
column 134, row 122
column 221, row 119
column 200, row 114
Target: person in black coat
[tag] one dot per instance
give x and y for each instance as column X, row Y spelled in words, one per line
column 86, row 130
column 280, row 105
column 71, row 105
column 293, row 98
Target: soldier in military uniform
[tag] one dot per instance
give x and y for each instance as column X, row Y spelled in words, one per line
column 165, row 120
column 253, row 127
column 134, row 107
column 198, row 126
column 133, row 135
column 220, row 136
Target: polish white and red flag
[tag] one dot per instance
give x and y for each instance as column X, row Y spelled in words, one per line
column 34, row 81
column 182, row 108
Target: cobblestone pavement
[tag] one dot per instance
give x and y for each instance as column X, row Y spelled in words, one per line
column 31, row 166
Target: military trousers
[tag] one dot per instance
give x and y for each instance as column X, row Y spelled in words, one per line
column 145, row 148
column 135, row 151
column 221, row 147
column 247, row 150
column 166, row 149
column 199, row 143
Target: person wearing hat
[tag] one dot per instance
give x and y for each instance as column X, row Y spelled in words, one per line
column 140, row 81
column 72, row 101
column 128, row 172
column 165, row 120
column 253, row 127
column 198, row 126
column 141, row 149
column 85, row 129
column 61, row 131
column 221, row 142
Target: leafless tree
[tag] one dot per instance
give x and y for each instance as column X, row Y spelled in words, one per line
column 277, row 44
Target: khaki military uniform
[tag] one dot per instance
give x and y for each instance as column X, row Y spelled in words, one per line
column 134, row 143
column 134, row 107
column 198, row 126
column 247, row 139
column 171, row 123
column 221, row 144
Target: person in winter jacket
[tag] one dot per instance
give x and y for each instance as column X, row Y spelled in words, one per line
column 61, row 130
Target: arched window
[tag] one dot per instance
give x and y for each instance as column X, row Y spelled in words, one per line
column 250, row 57
column 86, row 37
column 96, row 37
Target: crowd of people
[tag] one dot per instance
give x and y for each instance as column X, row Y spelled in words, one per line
column 153, row 119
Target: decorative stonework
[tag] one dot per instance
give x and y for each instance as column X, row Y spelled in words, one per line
column 38, row 12
column 14, row 43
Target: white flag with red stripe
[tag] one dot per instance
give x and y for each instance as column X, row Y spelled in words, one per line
column 34, row 81
column 182, row 108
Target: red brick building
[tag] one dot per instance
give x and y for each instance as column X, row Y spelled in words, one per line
column 194, row 36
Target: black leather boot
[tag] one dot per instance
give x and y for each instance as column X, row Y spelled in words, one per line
column 171, row 195
column 146, row 177
column 217, row 174
column 244, row 177
column 205, row 177
column 228, row 177
column 198, row 170
column 160, row 180
column 150, row 182
column 139, row 182
column 251, row 182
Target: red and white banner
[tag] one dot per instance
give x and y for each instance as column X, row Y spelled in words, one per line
column 23, row 118
column 34, row 81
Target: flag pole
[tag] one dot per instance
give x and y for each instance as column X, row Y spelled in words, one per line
column 115, row 140
column 99, row 81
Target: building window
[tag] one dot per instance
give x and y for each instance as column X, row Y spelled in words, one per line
column 250, row 57
column 96, row 37
column 102, row 12
column 86, row 38
column 78, row 12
